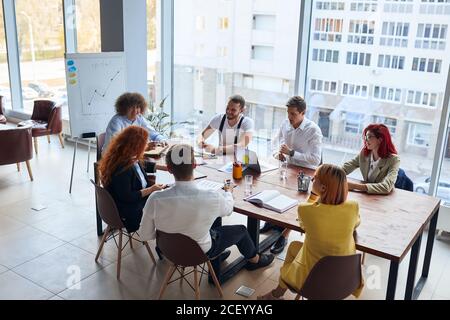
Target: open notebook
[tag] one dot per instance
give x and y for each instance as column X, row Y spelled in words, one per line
column 273, row 200
column 158, row 151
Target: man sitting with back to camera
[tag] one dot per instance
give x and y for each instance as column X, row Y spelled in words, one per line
column 186, row 209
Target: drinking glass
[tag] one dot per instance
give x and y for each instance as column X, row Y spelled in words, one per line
column 283, row 169
column 248, row 184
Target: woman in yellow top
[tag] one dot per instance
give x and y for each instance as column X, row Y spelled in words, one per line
column 328, row 220
column 378, row 161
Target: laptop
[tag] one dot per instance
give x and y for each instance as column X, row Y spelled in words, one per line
column 255, row 166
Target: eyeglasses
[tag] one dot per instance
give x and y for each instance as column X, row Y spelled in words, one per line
column 369, row 136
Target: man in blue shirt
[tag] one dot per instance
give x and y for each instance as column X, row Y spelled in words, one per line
column 130, row 108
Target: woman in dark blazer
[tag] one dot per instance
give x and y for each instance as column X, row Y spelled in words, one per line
column 122, row 174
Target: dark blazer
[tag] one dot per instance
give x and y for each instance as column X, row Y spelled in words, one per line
column 125, row 188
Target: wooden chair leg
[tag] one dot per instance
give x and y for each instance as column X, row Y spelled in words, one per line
column 48, row 138
column 30, row 173
column 18, row 166
column 197, row 288
column 149, row 251
column 35, row 145
column 105, row 236
column 61, row 140
column 119, row 254
column 363, row 258
column 169, row 274
column 216, row 281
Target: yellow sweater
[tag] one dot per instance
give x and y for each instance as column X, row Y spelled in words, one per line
column 328, row 232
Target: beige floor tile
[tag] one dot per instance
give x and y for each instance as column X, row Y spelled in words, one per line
column 61, row 268
column 8, row 225
column 104, row 285
column 25, row 244
column 66, row 226
column 3, row 269
column 438, row 297
column 13, row 286
column 90, row 242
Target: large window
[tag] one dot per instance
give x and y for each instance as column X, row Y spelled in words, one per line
column 237, row 47
column 41, row 50
column 4, row 79
column 88, row 25
column 153, row 59
column 399, row 81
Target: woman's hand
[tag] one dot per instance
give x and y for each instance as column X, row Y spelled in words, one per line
column 357, row 186
column 156, row 187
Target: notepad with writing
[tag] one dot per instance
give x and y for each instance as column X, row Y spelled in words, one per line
column 273, row 200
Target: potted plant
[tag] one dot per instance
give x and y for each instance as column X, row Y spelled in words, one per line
column 158, row 119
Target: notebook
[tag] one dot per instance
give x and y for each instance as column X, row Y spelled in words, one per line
column 272, row 200
column 156, row 152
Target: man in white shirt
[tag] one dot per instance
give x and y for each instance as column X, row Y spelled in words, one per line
column 234, row 128
column 299, row 143
column 186, row 209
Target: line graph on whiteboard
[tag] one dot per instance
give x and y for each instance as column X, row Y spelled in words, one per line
column 99, row 93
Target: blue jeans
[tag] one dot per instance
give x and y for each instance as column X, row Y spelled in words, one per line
column 225, row 236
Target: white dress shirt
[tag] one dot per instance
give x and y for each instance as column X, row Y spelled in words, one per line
column 372, row 166
column 306, row 140
column 185, row 209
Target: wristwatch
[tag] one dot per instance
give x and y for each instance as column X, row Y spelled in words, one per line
column 291, row 153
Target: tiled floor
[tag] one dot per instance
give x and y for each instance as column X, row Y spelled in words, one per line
column 49, row 254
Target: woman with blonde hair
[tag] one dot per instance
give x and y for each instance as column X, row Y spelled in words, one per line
column 122, row 174
column 329, row 220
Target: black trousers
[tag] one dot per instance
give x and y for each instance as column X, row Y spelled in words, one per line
column 225, row 236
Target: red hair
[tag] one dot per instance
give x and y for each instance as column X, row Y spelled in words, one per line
column 380, row 131
column 125, row 148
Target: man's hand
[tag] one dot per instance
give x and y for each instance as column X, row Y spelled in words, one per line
column 279, row 156
column 284, row 149
column 209, row 148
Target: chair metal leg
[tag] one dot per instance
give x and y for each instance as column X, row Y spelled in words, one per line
column 35, row 145
column 48, row 138
column 216, row 281
column 182, row 276
column 18, row 166
column 169, row 274
column 131, row 240
column 149, row 251
column 105, row 236
column 30, row 173
column 119, row 254
column 197, row 289
column 61, row 140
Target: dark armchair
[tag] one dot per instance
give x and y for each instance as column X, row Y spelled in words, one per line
column 16, row 147
column 45, row 120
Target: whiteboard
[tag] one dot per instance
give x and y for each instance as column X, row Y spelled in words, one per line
column 94, row 82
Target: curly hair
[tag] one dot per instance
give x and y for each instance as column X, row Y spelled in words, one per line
column 128, row 100
column 124, row 149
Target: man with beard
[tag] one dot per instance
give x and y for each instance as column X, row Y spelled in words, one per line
column 235, row 129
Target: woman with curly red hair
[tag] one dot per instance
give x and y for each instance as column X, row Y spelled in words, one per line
column 122, row 174
column 378, row 161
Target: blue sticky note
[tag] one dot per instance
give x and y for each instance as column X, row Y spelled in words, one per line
column 72, row 69
column 70, row 62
